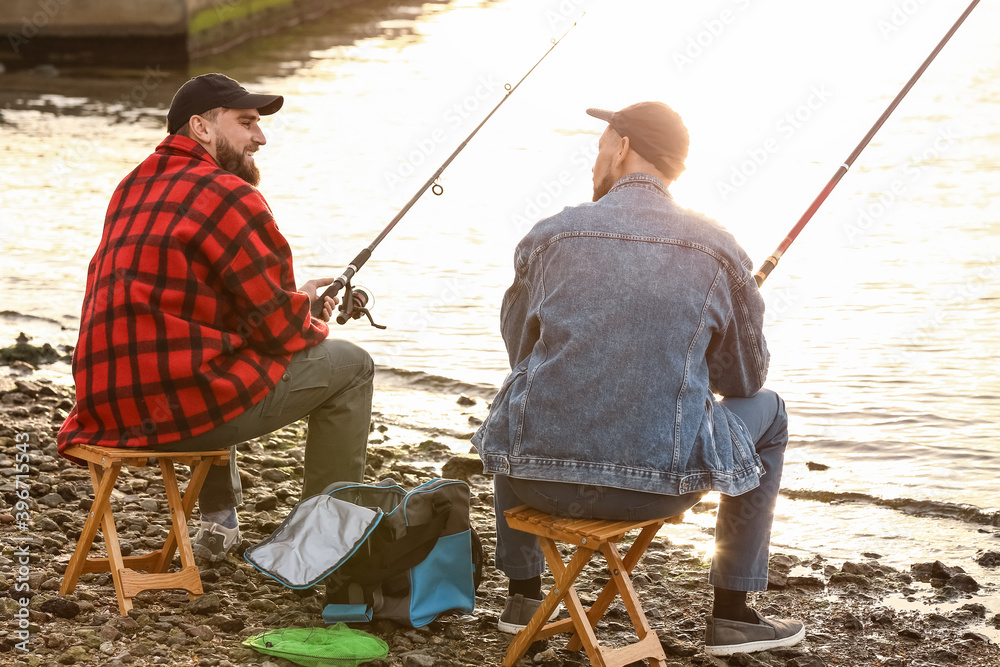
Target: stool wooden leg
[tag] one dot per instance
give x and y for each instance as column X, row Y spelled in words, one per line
column 564, row 574
column 188, row 578
column 564, row 577
column 103, row 486
column 195, row 482
column 611, row 589
column 115, row 563
column 178, row 522
column 648, row 646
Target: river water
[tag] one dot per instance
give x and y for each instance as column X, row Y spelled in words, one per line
column 881, row 318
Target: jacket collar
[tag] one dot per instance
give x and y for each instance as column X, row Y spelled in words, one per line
column 175, row 144
column 644, row 181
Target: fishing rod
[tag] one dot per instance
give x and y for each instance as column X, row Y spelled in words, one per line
column 350, row 308
column 765, row 269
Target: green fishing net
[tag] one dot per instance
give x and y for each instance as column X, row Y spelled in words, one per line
column 331, row 646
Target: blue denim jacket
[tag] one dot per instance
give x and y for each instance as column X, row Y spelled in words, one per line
column 625, row 316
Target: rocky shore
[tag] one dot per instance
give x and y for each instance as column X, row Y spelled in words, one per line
column 843, row 605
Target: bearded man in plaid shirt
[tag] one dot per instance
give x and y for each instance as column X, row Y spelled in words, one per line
column 193, row 334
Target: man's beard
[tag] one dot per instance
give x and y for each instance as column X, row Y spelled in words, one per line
column 236, row 162
column 604, row 187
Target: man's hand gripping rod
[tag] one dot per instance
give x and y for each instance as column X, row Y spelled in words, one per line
column 348, row 308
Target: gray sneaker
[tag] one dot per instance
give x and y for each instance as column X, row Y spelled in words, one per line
column 724, row 637
column 213, row 542
column 518, row 612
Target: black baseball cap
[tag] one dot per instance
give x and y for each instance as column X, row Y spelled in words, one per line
column 654, row 130
column 208, row 91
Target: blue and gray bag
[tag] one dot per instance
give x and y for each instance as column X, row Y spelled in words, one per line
column 382, row 552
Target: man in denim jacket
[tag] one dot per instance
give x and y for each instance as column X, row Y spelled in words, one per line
column 625, row 319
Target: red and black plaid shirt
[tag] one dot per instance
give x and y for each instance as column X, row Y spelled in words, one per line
column 191, row 313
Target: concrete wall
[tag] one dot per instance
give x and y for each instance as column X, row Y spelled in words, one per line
column 77, row 18
column 128, row 33
column 214, row 25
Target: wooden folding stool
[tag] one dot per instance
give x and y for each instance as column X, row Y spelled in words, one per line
column 105, row 464
column 590, row 536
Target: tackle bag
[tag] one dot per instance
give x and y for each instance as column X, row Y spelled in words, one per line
column 381, row 551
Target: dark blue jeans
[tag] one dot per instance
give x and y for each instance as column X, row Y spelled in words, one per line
column 743, row 526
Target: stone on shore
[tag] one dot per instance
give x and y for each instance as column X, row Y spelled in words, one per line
column 989, row 559
column 462, row 466
column 24, row 352
column 60, row 607
column 206, row 605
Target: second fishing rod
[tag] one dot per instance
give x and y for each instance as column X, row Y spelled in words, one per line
column 350, row 308
column 772, row 261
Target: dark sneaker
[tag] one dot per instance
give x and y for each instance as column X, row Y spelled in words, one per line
column 518, row 612
column 213, row 542
column 724, row 637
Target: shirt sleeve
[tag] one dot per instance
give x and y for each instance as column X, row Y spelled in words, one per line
column 737, row 356
column 275, row 316
column 519, row 321
column 519, row 335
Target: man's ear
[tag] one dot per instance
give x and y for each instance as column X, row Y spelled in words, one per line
column 622, row 152
column 618, row 159
column 202, row 131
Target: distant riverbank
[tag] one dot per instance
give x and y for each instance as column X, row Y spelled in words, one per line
column 152, row 34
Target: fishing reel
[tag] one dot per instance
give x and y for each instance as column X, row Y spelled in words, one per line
column 357, row 302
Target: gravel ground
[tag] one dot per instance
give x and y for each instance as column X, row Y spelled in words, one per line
column 843, row 606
